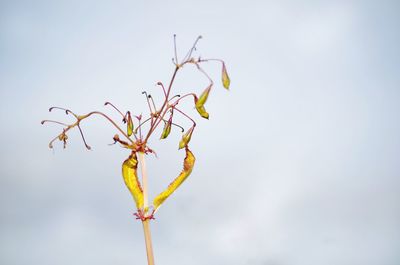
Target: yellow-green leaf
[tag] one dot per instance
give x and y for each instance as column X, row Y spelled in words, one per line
column 225, row 78
column 129, row 172
column 129, row 125
column 186, row 138
column 200, row 102
column 188, row 165
column 167, row 129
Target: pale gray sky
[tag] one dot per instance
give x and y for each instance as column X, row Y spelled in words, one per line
column 298, row 164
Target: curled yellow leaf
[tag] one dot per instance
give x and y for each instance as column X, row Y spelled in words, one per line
column 186, row 138
column 188, row 165
column 225, row 78
column 129, row 173
column 200, row 102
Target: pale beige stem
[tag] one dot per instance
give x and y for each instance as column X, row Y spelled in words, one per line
column 146, row 223
column 145, row 184
column 147, row 238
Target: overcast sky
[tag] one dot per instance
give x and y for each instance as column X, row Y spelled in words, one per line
column 298, row 164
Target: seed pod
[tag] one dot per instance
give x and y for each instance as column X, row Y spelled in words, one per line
column 225, row 78
column 202, row 111
column 129, row 126
column 186, row 138
column 129, row 173
column 201, row 101
column 188, row 164
column 167, row 129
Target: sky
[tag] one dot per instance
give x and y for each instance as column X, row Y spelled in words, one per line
column 297, row 165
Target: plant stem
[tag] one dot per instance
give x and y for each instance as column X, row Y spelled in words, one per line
column 146, row 223
column 143, row 169
column 147, row 238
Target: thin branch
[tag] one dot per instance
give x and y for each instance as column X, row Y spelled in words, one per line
column 164, row 107
column 189, row 54
column 66, row 111
column 163, row 88
column 51, row 121
column 147, row 99
column 184, row 96
column 184, row 114
column 83, row 138
column 176, row 54
column 109, row 103
column 212, row 59
column 201, row 70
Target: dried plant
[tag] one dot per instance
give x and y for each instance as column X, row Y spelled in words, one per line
column 136, row 138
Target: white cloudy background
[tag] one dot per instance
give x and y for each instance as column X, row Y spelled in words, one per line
column 298, row 164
